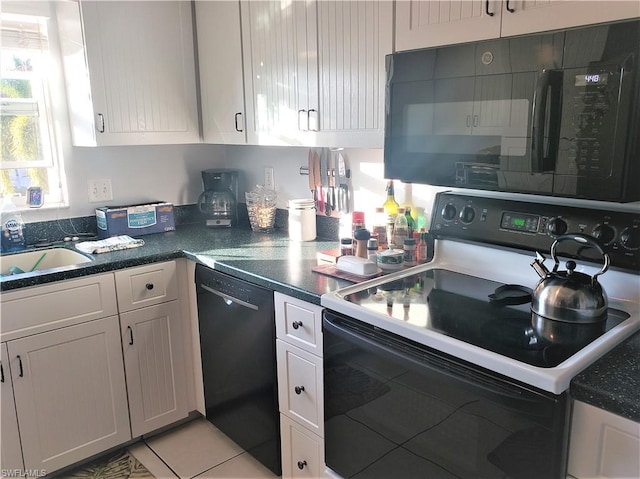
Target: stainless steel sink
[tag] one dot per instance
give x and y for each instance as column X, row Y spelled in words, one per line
column 40, row 260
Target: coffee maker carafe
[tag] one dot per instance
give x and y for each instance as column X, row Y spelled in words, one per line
column 218, row 202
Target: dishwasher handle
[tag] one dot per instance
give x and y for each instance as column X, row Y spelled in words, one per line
column 231, row 299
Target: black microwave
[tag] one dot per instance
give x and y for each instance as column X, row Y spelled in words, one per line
column 553, row 114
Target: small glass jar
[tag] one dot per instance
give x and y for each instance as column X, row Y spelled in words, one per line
column 372, row 250
column 410, row 258
column 346, row 247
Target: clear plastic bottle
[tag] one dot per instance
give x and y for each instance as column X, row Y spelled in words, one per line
column 13, row 231
column 400, row 229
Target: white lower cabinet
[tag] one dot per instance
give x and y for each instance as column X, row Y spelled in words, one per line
column 11, row 456
column 304, row 456
column 70, row 393
column 602, row 444
column 154, row 364
column 300, row 386
column 65, row 352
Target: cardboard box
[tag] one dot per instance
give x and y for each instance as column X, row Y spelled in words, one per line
column 135, row 220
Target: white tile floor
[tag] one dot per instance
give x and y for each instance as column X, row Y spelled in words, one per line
column 197, row 450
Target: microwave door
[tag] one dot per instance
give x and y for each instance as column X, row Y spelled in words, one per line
column 545, row 124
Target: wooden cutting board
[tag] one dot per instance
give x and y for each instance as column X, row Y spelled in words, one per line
column 331, row 270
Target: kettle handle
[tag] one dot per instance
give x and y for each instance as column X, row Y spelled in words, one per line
column 582, row 239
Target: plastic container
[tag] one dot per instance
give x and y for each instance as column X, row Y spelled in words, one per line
column 346, row 247
column 13, row 231
column 372, row 250
column 302, row 220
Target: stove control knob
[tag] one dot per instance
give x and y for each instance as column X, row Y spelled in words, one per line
column 630, row 238
column 449, row 212
column 467, row 215
column 557, row 227
column 604, row 233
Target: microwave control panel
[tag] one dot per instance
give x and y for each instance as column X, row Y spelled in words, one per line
column 535, row 226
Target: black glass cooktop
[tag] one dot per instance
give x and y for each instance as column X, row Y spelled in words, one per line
column 480, row 312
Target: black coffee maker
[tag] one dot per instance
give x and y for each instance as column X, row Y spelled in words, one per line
column 218, row 202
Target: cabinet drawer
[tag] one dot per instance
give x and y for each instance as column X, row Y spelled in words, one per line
column 299, row 323
column 302, row 451
column 41, row 308
column 146, row 285
column 300, row 386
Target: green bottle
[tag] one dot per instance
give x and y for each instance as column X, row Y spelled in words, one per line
column 411, row 223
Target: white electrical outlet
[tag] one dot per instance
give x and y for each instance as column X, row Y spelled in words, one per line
column 269, row 180
column 99, row 190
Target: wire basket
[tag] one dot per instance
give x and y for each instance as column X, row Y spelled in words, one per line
column 261, row 207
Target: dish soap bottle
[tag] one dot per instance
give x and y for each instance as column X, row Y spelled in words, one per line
column 13, row 237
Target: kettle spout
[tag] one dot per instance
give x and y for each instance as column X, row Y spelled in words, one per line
column 538, row 265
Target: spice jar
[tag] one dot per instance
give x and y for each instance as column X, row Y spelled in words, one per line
column 410, row 258
column 372, row 249
column 346, row 247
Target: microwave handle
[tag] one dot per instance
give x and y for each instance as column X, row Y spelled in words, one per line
column 549, row 82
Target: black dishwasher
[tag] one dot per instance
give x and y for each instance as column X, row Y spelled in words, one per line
column 237, row 344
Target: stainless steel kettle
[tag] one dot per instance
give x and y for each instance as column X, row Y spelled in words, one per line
column 569, row 296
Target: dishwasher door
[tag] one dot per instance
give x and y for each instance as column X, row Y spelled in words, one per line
column 237, row 343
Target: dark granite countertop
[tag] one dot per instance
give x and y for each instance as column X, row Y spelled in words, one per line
column 269, row 260
column 613, row 382
column 273, row 261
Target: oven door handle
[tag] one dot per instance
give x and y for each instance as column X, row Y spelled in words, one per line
column 435, row 365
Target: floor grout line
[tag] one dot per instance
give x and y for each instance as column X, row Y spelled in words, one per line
column 144, row 441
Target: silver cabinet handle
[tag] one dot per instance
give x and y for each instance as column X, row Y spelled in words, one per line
column 100, row 123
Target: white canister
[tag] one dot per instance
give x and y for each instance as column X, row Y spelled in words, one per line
column 302, row 220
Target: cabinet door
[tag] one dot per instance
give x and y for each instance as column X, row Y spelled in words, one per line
column 428, row 23
column 220, row 65
column 155, row 368
column 70, row 393
column 142, row 69
column 11, row 454
column 527, row 16
column 353, row 39
column 279, row 48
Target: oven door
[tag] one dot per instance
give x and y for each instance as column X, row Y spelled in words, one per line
column 394, row 408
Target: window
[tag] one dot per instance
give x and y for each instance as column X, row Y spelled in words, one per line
column 29, row 153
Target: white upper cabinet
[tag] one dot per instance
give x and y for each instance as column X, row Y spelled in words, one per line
column 315, row 72
column 279, row 56
column 220, row 66
column 353, row 39
column 428, row 23
column 141, row 72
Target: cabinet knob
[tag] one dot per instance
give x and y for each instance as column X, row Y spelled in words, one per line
column 298, row 389
column 297, row 324
column 149, row 286
column 301, row 464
